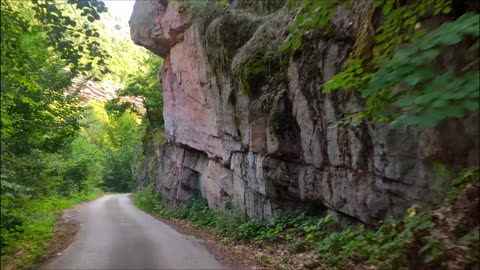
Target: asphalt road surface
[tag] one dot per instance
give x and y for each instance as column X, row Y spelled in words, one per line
column 114, row 234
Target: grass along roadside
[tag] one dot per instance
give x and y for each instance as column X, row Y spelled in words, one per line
column 442, row 238
column 30, row 227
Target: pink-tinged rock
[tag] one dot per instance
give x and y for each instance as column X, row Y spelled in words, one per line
column 189, row 113
column 217, row 186
column 156, row 25
column 172, row 25
column 258, row 136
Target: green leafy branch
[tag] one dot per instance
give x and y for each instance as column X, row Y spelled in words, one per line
column 74, row 41
column 404, row 78
column 424, row 97
column 313, row 14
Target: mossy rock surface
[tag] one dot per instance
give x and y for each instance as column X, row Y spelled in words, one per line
column 258, row 63
column 259, row 70
column 262, row 6
column 225, row 35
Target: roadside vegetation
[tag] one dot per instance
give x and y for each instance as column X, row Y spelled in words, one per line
column 445, row 237
column 58, row 149
column 27, row 225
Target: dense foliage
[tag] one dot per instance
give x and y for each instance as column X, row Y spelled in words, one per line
column 98, row 158
column 27, row 225
column 429, row 96
column 57, row 149
column 125, row 150
column 145, row 83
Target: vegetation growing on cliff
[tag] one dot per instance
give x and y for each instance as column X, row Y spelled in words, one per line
column 395, row 70
column 255, row 71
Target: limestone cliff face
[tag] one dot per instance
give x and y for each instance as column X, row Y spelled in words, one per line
column 264, row 139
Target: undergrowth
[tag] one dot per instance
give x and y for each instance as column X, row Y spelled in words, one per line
column 27, row 225
column 421, row 240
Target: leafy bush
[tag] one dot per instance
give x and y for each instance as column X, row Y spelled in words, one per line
column 146, row 199
column 386, row 246
column 252, row 229
column 228, row 223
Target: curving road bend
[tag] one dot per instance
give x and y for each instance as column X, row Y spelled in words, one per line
column 114, row 234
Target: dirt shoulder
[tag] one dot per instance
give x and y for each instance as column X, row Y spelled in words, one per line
column 65, row 232
column 223, row 253
column 245, row 254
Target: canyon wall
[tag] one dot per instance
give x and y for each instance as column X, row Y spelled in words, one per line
column 248, row 127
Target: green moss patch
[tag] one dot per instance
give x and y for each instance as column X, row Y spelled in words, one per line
column 256, row 71
column 225, row 35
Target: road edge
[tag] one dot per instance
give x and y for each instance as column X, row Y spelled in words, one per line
column 221, row 252
column 65, row 232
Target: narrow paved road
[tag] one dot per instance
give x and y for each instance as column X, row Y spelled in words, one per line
column 114, row 234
